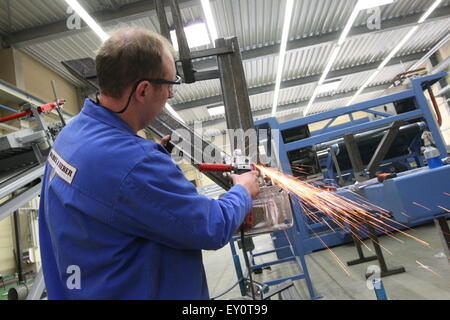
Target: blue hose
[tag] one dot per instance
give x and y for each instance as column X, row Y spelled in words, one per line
column 7, row 108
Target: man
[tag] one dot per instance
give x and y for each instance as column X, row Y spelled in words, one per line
column 118, row 219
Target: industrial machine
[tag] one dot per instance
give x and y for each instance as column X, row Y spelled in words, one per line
column 22, row 158
column 392, row 157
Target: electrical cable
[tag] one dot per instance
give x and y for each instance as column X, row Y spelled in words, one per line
column 7, row 108
column 229, row 289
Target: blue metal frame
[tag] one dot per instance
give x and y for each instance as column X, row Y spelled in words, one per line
column 301, row 236
column 296, row 254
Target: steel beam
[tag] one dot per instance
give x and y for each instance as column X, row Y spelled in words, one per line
column 10, row 186
column 383, row 148
column 355, row 157
column 38, row 287
column 7, row 208
column 301, row 104
column 298, row 82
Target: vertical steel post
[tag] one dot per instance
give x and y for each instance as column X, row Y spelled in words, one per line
column 18, row 243
column 355, row 157
column 238, row 112
column 183, row 47
column 162, row 18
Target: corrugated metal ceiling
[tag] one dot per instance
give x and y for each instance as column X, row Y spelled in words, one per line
column 257, row 24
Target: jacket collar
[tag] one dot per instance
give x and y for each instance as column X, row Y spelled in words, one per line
column 100, row 113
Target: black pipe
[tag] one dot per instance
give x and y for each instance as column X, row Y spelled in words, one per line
column 16, row 216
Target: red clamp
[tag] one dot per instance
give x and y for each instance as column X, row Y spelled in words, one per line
column 384, row 176
column 215, row 167
column 44, row 108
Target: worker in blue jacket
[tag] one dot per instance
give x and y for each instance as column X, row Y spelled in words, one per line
column 118, row 219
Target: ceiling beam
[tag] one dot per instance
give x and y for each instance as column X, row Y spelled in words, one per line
column 386, row 26
column 298, row 82
column 106, row 17
column 301, row 104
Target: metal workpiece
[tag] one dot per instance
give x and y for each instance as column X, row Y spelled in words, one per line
column 165, row 125
column 271, row 212
column 355, row 157
column 383, row 148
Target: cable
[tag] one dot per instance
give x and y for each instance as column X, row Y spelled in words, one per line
column 229, row 289
column 247, row 263
column 7, row 108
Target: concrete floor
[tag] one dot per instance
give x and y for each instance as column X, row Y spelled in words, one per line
column 330, row 281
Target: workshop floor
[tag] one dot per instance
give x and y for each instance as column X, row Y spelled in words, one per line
column 429, row 281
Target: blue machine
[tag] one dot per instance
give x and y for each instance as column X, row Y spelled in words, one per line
column 417, row 195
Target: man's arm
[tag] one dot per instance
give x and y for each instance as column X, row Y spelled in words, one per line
column 158, row 203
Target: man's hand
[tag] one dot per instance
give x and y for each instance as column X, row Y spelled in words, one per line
column 249, row 181
column 165, row 140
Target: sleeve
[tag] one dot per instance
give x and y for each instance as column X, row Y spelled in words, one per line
column 158, row 203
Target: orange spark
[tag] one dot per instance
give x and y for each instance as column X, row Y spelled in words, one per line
column 428, row 268
column 421, row 205
column 445, row 209
column 341, row 210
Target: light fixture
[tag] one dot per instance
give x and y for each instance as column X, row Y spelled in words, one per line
column 429, row 11
column 395, row 50
column 209, row 20
column 328, row 86
column 311, row 101
column 349, row 24
column 329, row 65
column 430, row 53
column 365, row 84
column 215, row 111
column 88, row 19
column 196, row 35
column 282, row 55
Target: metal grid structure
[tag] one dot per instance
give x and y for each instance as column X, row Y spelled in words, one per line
column 39, row 28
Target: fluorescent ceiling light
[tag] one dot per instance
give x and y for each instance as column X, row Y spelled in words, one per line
column 429, row 53
column 196, row 35
column 429, row 11
column 209, row 19
column 365, row 84
column 215, row 111
column 173, row 112
column 282, row 55
column 313, row 97
column 333, row 57
column 367, row 4
column 396, row 49
column 328, row 86
column 349, row 24
column 88, row 19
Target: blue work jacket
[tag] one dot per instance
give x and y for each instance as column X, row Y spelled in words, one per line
column 119, row 220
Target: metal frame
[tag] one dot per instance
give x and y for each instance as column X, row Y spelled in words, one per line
column 303, row 230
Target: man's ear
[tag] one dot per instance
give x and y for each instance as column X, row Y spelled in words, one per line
column 141, row 90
